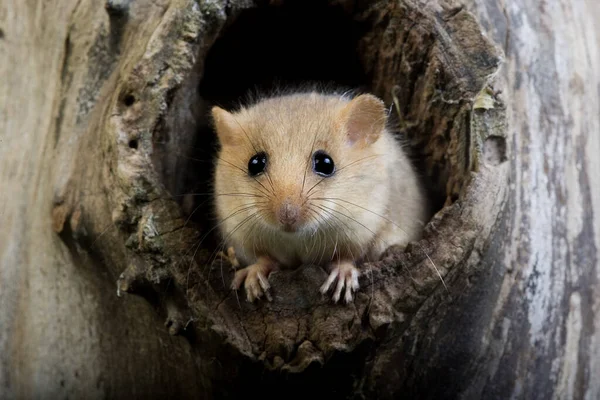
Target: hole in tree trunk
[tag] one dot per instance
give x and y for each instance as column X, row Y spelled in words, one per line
column 404, row 54
column 263, row 49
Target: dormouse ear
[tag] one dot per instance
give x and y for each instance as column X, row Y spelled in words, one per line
column 363, row 119
column 228, row 130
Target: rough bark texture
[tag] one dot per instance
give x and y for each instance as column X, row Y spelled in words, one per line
column 104, row 104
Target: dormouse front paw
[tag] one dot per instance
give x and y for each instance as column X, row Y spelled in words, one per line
column 255, row 279
column 346, row 275
column 230, row 256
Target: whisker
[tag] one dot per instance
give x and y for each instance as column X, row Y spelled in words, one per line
column 434, row 266
column 268, row 176
column 314, row 186
column 340, row 169
column 240, row 194
column 205, row 201
column 356, row 161
column 331, row 201
column 326, row 237
column 348, row 229
column 396, row 225
column 347, row 216
column 197, row 246
column 336, row 228
column 182, row 155
column 238, row 226
column 312, row 148
column 101, row 234
column 256, row 151
column 245, row 173
column 317, row 232
column 235, row 211
column 271, row 192
column 223, row 243
column 192, row 213
column 232, row 164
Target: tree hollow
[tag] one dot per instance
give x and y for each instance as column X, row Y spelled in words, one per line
column 430, row 63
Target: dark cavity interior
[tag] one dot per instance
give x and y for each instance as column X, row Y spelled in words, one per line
column 289, row 45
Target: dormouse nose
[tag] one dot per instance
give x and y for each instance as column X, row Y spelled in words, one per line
column 288, row 213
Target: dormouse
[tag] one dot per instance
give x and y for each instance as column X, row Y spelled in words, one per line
column 311, row 178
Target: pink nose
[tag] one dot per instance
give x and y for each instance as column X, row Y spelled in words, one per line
column 288, row 213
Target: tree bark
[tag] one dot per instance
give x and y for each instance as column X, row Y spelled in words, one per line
column 101, row 108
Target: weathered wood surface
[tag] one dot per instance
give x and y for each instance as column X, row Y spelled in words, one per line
column 63, row 331
column 542, row 338
column 520, row 317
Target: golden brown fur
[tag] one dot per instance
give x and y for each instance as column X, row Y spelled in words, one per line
column 372, row 201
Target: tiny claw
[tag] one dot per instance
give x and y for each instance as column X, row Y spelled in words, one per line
column 347, row 278
column 332, row 276
column 264, row 284
column 255, row 280
column 230, row 257
column 338, row 289
column 348, row 294
column 220, row 254
column 355, row 285
column 268, row 296
column 239, row 278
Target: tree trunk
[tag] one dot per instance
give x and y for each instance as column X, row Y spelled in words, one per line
column 102, row 121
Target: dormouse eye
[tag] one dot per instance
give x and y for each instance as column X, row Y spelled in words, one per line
column 323, row 164
column 257, row 163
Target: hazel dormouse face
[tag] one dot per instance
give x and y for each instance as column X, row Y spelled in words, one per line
column 299, row 163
